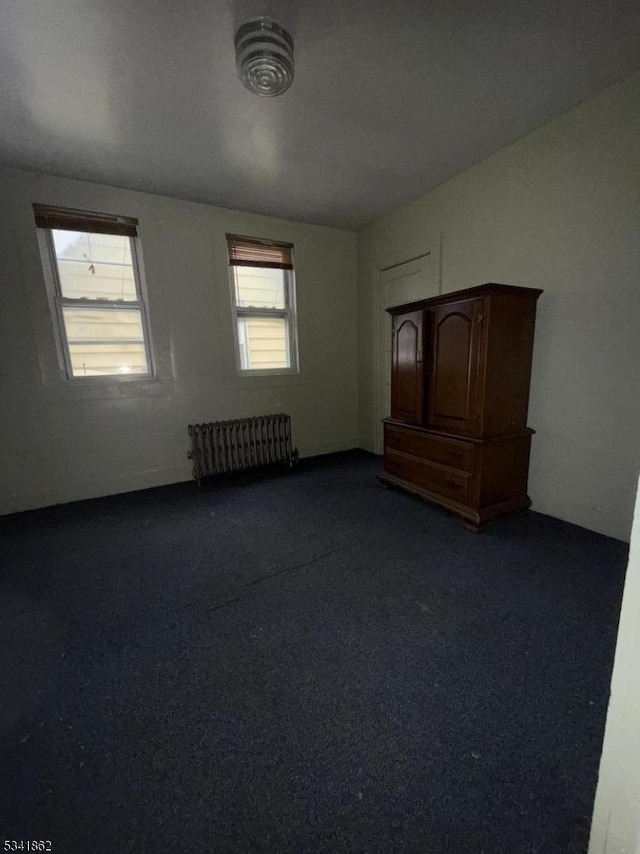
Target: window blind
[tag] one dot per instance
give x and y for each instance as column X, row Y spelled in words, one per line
column 254, row 252
column 68, row 219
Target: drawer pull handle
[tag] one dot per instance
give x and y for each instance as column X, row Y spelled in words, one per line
column 453, row 484
column 457, row 454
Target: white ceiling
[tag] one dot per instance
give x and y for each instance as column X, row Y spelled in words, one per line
column 391, row 97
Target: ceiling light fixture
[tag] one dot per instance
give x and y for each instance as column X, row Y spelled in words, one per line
column 264, row 57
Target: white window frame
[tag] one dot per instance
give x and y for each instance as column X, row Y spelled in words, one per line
column 288, row 314
column 57, row 302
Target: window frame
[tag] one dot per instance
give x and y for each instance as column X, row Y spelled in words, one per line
column 288, row 313
column 57, row 303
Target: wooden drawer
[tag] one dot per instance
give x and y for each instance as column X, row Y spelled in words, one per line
column 448, row 452
column 431, row 476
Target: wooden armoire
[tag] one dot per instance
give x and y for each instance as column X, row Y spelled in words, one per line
column 458, row 435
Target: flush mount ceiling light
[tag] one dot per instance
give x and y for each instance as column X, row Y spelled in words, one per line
column 264, row 57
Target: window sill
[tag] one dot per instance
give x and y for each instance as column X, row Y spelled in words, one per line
column 107, row 389
column 275, row 372
column 254, row 380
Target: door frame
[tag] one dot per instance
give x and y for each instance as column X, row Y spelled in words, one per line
column 433, row 248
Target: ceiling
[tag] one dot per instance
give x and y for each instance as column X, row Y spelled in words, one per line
column 391, row 97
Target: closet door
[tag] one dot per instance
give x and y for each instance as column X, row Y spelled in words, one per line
column 407, row 368
column 453, row 386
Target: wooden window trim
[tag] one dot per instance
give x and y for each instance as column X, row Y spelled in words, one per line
column 70, row 219
column 257, row 252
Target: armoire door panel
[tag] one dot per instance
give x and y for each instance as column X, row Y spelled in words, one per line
column 407, row 383
column 454, row 369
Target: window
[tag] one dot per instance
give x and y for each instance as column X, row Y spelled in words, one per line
column 93, row 273
column 263, row 299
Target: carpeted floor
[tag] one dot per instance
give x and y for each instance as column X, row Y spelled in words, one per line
column 301, row 663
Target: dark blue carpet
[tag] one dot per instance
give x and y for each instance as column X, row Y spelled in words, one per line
column 301, row 663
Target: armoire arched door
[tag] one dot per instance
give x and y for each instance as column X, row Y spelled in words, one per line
column 453, row 379
column 407, row 399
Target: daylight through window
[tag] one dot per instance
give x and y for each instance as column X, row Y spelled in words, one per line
column 263, row 300
column 93, row 272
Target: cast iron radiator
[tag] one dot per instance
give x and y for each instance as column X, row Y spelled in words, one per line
column 219, row 447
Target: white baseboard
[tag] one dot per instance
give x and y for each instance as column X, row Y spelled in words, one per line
column 80, row 491
column 321, row 448
column 47, row 497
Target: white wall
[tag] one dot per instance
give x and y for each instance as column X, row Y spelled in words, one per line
column 615, row 828
column 558, row 210
column 61, row 442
